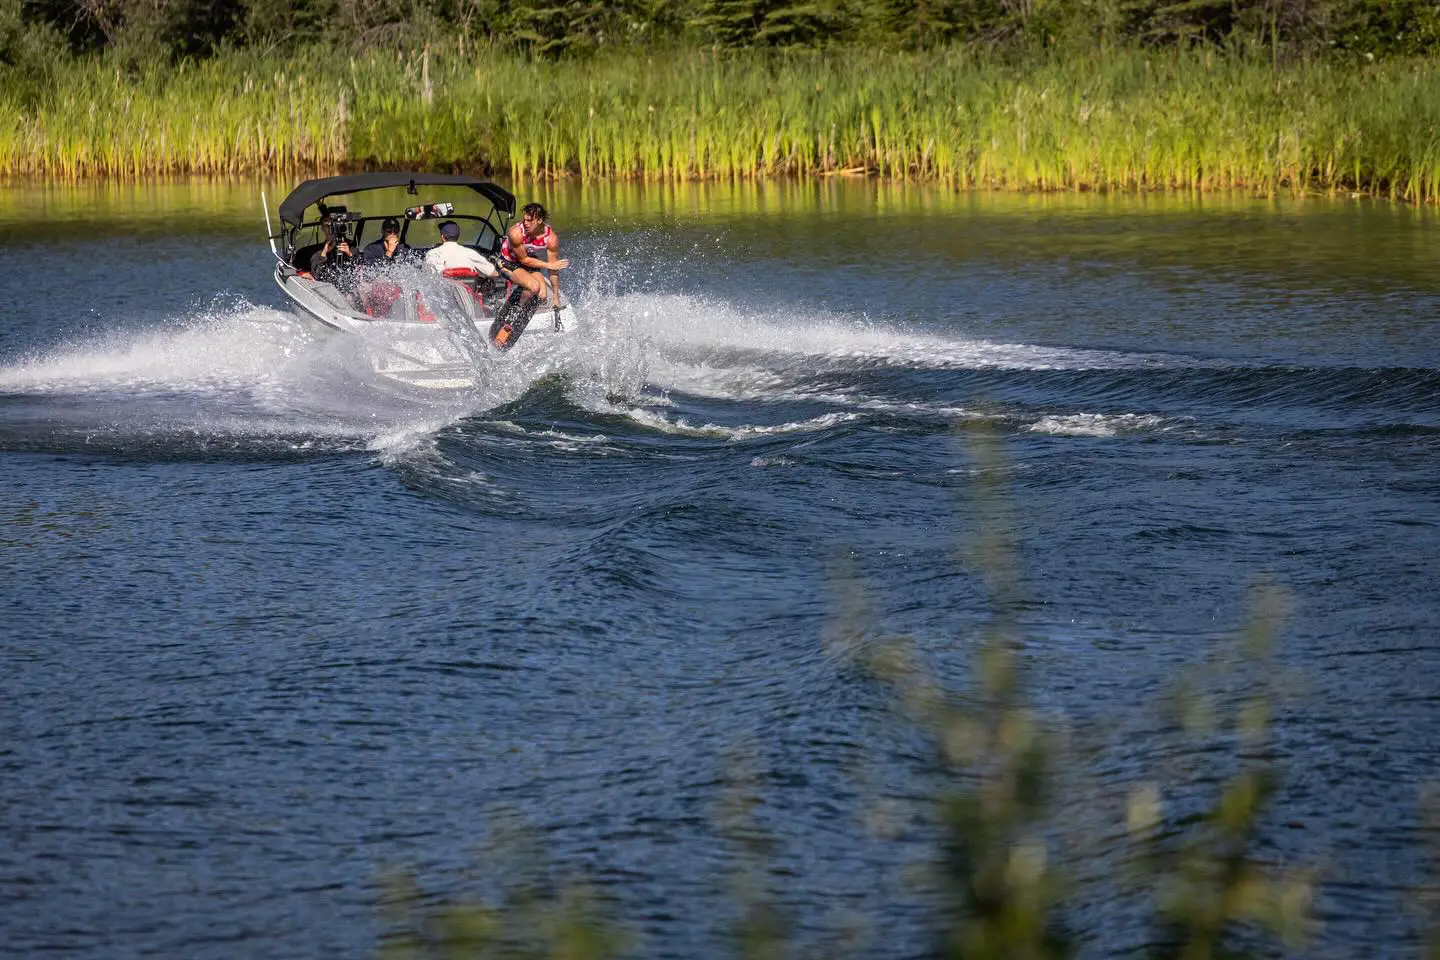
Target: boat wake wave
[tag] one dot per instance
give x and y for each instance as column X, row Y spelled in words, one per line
column 701, row 348
column 690, row 326
column 254, row 377
column 232, row 346
column 236, row 379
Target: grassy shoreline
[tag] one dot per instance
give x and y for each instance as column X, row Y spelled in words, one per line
column 1125, row 120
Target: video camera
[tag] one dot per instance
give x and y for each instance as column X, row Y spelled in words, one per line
column 340, row 221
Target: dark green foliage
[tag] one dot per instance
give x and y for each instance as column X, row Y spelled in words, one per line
column 29, row 51
column 920, row 24
column 1385, row 27
column 1185, row 21
column 154, row 29
column 805, row 24
column 775, row 23
column 284, row 23
column 25, row 40
column 556, row 27
column 145, row 29
column 86, row 26
column 1214, row 17
column 730, row 23
column 194, row 28
column 988, row 21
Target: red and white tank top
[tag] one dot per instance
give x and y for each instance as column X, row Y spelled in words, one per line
column 533, row 248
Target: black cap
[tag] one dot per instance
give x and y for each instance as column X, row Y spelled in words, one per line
column 450, row 230
column 391, row 225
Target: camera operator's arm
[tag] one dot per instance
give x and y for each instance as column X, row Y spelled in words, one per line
column 328, row 231
column 321, row 257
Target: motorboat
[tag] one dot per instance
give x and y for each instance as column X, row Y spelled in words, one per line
column 421, row 327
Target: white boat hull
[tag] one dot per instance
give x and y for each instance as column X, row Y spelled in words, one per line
column 433, row 331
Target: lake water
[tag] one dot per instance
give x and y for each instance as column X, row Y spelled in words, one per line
column 270, row 629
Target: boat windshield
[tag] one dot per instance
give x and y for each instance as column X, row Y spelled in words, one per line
column 483, row 231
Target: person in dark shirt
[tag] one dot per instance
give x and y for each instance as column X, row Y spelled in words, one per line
column 389, row 248
column 335, row 263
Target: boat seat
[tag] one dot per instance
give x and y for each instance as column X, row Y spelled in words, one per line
column 301, row 260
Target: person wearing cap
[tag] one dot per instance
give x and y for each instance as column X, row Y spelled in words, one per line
column 388, row 249
column 452, row 255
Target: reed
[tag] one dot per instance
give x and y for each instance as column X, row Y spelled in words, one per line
column 234, row 115
column 1126, row 120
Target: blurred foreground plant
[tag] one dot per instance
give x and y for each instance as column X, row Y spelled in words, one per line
column 534, row 917
column 1002, row 893
column 999, row 885
column 1206, row 880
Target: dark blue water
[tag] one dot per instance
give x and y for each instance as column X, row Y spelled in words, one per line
column 270, row 627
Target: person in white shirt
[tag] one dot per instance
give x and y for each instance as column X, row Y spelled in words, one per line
column 451, row 255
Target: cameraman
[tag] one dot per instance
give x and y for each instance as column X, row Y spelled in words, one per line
column 335, row 262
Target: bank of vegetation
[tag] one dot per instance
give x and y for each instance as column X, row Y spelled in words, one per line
column 1267, row 95
column 1131, row 119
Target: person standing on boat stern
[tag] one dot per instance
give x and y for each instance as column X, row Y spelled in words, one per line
column 530, row 245
column 451, row 254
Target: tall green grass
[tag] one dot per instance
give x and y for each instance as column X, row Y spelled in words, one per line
column 1125, row 119
column 226, row 116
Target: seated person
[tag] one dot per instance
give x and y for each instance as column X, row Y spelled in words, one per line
column 388, row 249
column 451, row 255
column 335, row 263
column 305, row 257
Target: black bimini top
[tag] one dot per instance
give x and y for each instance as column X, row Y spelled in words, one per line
column 292, row 208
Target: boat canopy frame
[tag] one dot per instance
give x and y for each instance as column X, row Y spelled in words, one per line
column 292, row 208
column 315, row 192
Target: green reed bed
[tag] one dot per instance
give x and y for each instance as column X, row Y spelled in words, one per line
column 240, row 115
column 1126, row 119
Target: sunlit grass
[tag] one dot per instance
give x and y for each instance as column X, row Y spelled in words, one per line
column 1125, row 120
column 231, row 116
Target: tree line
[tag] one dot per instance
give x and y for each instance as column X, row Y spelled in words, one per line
column 33, row 33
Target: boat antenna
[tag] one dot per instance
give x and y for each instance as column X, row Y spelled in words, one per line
column 265, row 205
